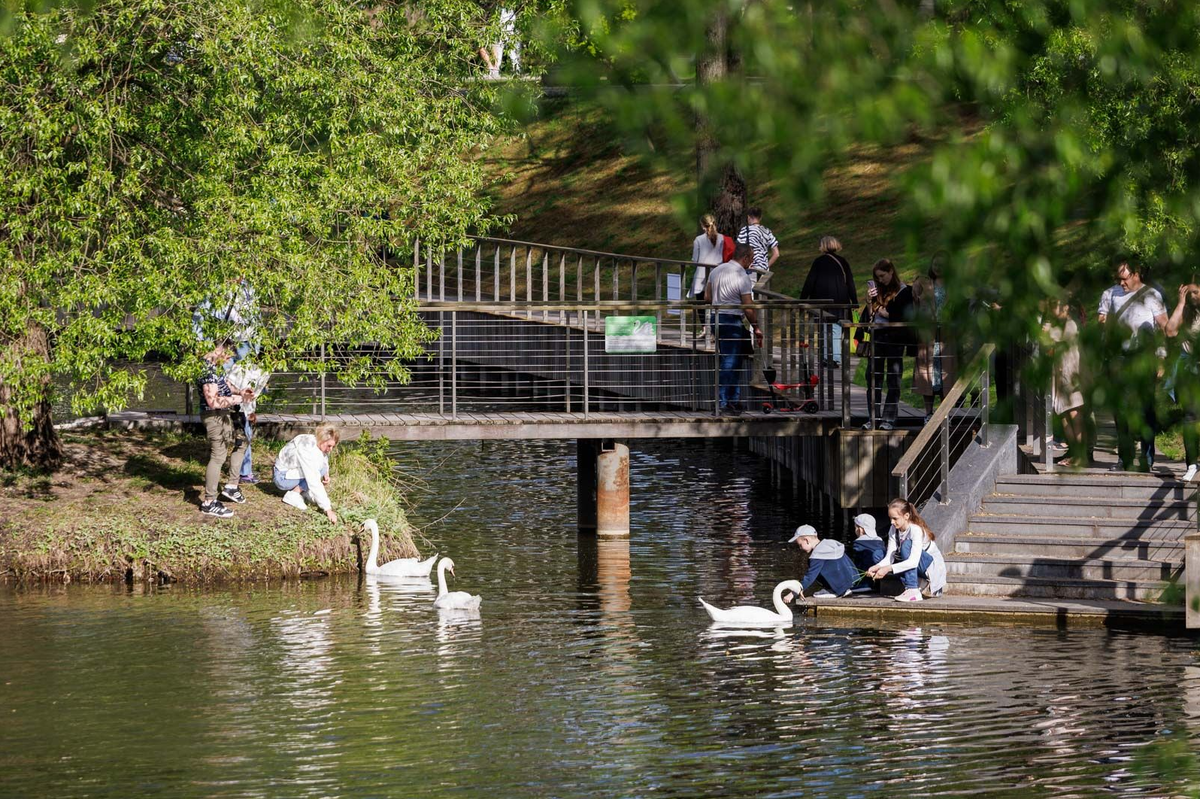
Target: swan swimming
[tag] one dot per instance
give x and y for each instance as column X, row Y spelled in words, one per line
column 401, row 567
column 755, row 616
column 453, row 600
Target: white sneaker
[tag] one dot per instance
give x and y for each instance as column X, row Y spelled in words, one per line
column 1190, row 474
column 910, row 595
column 822, row 595
column 294, row 499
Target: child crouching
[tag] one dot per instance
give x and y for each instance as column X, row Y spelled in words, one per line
column 827, row 563
column 867, row 550
column 911, row 540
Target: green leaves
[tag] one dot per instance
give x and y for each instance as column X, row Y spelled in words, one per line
column 155, row 150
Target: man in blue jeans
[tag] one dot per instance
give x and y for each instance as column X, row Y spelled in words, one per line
column 730, row 290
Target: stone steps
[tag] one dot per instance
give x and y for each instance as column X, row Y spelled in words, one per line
column 1044, row 566
column 1118, row 486
column 1093, row 527
column 1056, row 588
column 1069, row 546
column 1088, row 507
column 1075, row 536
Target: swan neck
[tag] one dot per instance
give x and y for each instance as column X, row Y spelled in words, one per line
column 373, row 557
column 780, row 606
column 442, row 578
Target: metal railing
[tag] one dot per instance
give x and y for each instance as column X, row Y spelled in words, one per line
column 564, row 358
column 923, row 473
column 507, row 270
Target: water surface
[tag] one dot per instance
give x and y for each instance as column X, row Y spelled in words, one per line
column 591, row 671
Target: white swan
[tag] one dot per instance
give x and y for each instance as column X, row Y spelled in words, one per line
column 401, row 567
column 755, row 616
column 453, row 600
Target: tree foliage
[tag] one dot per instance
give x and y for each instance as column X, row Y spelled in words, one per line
column 154, row 150
column 1065, row 130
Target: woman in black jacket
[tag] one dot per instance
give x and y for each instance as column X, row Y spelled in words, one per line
column 830, row 280
column 890, row 301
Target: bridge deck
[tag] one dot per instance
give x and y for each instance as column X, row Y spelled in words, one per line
column 519, row 424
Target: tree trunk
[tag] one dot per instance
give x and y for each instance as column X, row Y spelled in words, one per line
column 29, row 443
column 720, row 186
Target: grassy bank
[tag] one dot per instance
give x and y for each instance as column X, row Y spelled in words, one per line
column 124, row 506
column 568, row 181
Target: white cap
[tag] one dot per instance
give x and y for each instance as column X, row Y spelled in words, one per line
column 866, row 521
column 803, row 530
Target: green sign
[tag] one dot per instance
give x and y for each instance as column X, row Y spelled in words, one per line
column 629, row 335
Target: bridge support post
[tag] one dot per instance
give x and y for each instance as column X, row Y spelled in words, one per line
column 586, row 450
column 612, row 490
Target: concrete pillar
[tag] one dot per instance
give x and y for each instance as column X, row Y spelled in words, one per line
column 612, row 490
column 586, row 450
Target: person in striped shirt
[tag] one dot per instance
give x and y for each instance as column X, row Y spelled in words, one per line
column 762, row 241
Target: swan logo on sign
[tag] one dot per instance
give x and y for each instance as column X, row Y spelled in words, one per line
column 630, row 335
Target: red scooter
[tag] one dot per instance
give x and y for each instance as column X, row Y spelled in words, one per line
column 781, row 402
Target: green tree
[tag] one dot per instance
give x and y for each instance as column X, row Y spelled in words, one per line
column 155, row 150
column 1065, row 130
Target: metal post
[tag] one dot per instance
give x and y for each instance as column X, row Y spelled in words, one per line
column 442, row 363
column 478, row 273
column 986, row 388
column 460, row 273
column 716, row 365
column 944, row 457
column 904, row 484
column 454, row 363
column 567, row 370
column 322, row 382
column 871, row 379
column 587, row 402
column 845, row 376
column 188, row 401
column 1049, row 410
column 416, row 268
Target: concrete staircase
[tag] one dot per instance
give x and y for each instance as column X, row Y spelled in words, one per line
column 1091, row 535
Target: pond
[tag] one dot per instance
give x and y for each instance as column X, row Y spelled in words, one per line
column 590, row 672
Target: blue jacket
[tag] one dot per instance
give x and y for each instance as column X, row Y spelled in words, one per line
column 867, row 552
column 829, row 564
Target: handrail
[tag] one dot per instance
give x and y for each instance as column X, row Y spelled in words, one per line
column 949, row 403
column 581, row 251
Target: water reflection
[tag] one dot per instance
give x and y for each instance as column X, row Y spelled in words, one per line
column 594, row 672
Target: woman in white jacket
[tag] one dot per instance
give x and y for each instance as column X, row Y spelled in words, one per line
column 302, row 469
column 911, row 540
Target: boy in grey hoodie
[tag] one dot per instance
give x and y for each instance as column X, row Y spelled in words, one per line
column 827, row 563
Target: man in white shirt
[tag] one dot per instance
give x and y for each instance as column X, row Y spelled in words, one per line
column 1139, row 312
column 762, row 241
column 730, row 290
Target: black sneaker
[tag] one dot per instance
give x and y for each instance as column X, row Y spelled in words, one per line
column 233, row 494
column 215, row 508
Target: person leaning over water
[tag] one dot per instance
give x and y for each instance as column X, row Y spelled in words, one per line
column 216, row 404
column 911, row 540
column 302, row 469
column 827, row 563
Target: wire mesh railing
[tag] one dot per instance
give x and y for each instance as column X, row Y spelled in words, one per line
column 923, row 474
column 579, row 359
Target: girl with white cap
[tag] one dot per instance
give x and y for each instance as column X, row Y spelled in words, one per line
column 867, row 550
column 827, row 562
column 911, row 540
